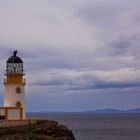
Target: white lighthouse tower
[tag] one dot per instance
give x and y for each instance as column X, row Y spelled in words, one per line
column 14, row 84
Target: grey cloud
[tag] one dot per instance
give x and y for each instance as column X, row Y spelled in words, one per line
column 125, row 47
column 90, row 80
column 99, row 14
column 121, row 46
column 107, row 13
column 55, row 82
column 104, row 85
column 71, row 46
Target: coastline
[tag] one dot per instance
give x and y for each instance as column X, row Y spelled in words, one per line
column 42, row 130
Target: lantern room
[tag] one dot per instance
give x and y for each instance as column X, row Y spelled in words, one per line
column 14, row 65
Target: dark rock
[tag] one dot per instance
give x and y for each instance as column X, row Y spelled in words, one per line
column 43, row 130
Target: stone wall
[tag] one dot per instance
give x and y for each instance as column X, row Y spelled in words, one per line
column 9, row 123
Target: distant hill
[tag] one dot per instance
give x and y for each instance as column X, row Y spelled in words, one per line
column 108, row 110
column 134, row 110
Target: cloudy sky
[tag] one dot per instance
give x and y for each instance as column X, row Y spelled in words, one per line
column 78, row 54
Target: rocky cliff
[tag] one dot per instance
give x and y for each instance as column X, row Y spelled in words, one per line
column 43, row 130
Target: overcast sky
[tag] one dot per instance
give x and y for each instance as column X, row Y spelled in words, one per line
column 78, row 54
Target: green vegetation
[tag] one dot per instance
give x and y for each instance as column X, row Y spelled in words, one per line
column 44, row 130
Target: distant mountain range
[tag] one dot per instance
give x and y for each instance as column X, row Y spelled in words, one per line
column 108, row 110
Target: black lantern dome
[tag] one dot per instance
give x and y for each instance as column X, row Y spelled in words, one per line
column 14, row 65
column 14, row 58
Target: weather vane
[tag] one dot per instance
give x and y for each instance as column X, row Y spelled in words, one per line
column 15, row 53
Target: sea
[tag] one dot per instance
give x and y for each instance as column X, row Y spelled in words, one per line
column 98, row 126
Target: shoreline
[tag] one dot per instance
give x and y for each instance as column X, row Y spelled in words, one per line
column 42, row 129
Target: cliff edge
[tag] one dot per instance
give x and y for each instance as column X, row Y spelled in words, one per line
column 43, row 130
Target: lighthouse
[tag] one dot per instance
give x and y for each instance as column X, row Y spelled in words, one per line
column 14, row 88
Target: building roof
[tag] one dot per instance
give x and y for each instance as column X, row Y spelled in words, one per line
column 14, row 58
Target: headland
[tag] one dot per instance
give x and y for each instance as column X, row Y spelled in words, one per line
column 39, row 130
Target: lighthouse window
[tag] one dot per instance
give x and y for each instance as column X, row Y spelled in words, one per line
column 18, row 104
column 18, row 90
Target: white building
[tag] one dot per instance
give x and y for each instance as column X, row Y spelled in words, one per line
column 14, row 93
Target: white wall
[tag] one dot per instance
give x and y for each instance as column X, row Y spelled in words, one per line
column 11, row 97
column 13, row 114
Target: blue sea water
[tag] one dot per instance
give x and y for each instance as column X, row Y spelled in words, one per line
column 110, row 126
